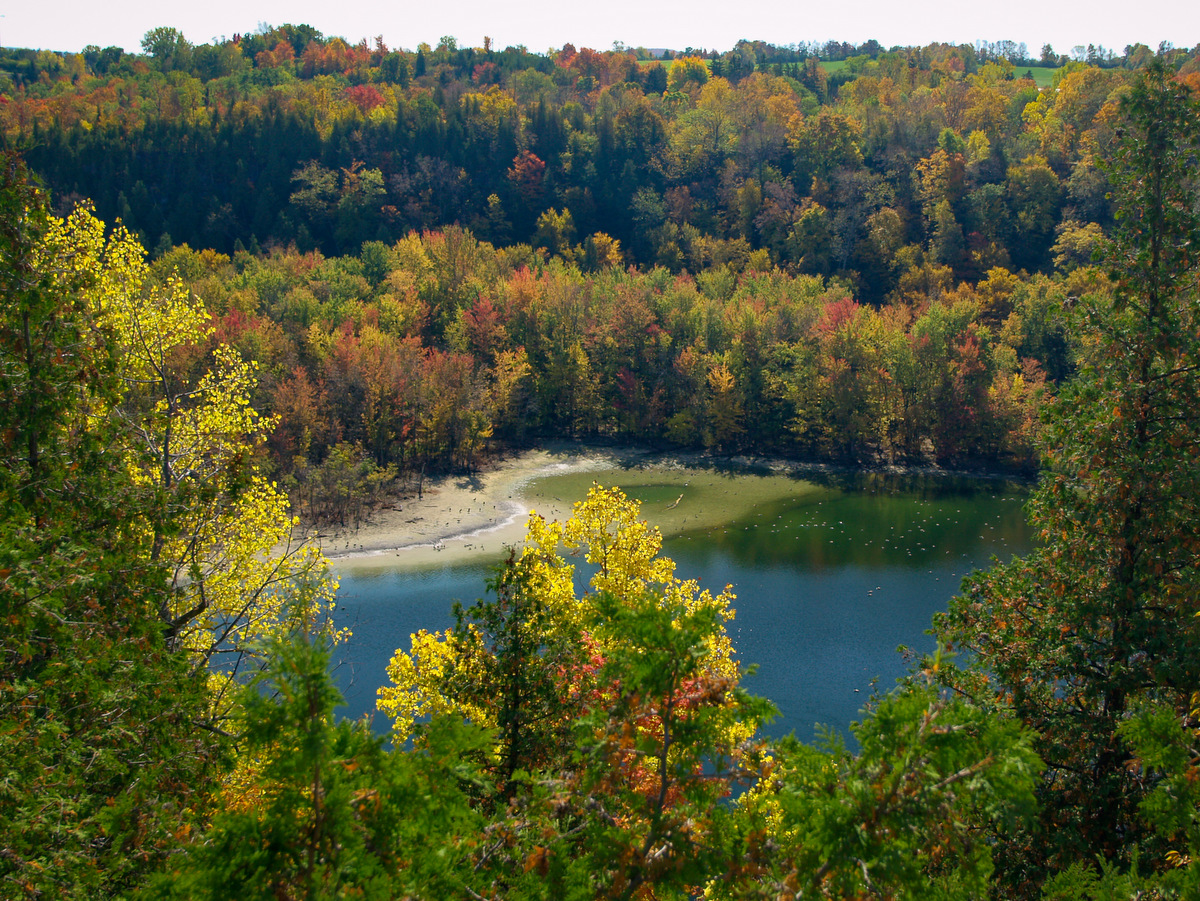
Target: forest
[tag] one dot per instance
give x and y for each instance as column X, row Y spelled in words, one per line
column 279, row 278
column 434, row 254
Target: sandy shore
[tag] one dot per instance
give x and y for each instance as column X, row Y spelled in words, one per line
column 480, row 516
column 459, row 517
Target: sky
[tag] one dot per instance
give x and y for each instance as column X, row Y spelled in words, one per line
column 541, row 25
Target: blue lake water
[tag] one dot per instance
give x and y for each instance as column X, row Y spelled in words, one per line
column 831, row 578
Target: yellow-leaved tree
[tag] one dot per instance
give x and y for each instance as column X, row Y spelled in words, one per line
column 606, row 529
column 615, row 715
column 222, row 531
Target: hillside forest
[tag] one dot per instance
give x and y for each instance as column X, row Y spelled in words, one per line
column 276, row 279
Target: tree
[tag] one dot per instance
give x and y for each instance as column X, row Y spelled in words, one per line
column 687, row 74
column 190, row 434
column 724, row 413
column 668, row 739
column 1102, row 619
column 898, row 818
column 317, row 193
column 823, row 144
column 322, row 809
column 626, row 554
column 187, row 435
column 168, row 46
column 1034, row 197
column 555, row 232
column 617, row 719
column 102, row 758
column 946, row 244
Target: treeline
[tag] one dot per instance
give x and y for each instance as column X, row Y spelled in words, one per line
column 861, row 169
column 424, row 355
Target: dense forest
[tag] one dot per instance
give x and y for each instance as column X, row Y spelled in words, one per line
column 369, row 265
column 838, row 160
column 830, row 252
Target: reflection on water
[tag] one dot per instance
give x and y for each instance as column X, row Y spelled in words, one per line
column 831, row 578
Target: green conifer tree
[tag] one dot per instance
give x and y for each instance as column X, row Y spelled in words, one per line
column 1102, row 618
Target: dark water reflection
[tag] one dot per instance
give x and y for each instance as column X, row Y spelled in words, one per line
column 830, row 581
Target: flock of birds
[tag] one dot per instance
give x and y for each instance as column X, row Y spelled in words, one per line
column 924, row 536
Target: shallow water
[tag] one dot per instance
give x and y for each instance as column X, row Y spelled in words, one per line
column 832, row 574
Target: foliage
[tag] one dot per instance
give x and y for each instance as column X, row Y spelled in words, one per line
column 900, row 817
column 454, row 348
column 102, row 758
column 536, row 594
column 326, row 811
column 618, row 720
column 752, row 165
column 189, row 437
column 848, row 261
column 1102, row 621
column 293, row 136
column 641, row 809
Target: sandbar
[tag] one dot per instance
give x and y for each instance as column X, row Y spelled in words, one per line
column 459, row 517
column 481, row 516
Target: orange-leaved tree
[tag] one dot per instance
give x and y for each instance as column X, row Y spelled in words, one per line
column 617, row 716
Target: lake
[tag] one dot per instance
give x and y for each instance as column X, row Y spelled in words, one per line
column 832, row 574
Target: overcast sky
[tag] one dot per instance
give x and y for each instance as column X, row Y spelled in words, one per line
column 544, row 24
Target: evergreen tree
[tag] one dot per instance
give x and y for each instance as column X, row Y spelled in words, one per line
column 1102, row 619
column 322, row 809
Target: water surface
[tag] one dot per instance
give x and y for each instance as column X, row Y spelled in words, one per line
column 832, row 574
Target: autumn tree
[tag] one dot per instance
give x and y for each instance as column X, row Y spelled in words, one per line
column 1100, row 621
column 623, row 699
column 625, row 552
column 188, row 435
column 103, row 759
column 687, row 74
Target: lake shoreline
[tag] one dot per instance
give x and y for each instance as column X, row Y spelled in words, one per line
column 462, row 516
column 459, row 517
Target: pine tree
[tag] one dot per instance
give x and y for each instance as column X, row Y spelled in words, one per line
column 1102, row 618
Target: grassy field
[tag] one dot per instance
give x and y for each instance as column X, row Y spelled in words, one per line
column 1042, row 75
